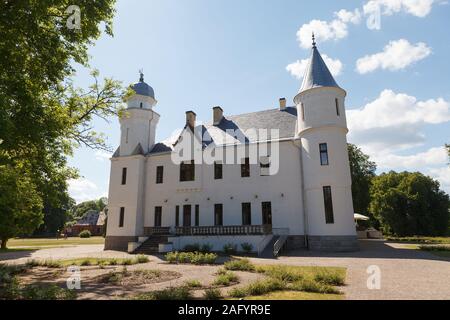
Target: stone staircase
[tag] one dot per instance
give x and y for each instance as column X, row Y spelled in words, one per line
column 151, row 246
column 267, row 253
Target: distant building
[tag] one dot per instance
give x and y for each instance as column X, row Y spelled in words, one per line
column 93, row 221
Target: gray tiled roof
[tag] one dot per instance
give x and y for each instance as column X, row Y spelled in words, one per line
column 317, row 73
column 285, row 121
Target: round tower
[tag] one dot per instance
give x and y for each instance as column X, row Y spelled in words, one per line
column 138, row 123
column 322, row 128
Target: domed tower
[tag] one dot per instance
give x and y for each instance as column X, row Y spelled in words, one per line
column 138, row 124
column 128, row 168
column 322, row 128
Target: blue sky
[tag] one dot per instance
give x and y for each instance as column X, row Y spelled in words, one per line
column 245, row 55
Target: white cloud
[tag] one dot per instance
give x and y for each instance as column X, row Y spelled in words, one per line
column 394, row 121
column 349, row 16
column 83, row 190
column 102, row 155
column 298, row 68
column 395, row 56
column 418, row 8
column 323, row 30
column 442, row 174
column 431, row 157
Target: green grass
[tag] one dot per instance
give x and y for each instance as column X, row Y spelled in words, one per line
column 52, row 242
column 197, row 258
column 429, row 240
column 317, row 280
column 88, row 262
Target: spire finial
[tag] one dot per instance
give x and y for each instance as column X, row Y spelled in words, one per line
column 141, row 73
column 313, row 40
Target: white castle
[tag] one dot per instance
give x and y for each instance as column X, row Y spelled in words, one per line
column 295, row 193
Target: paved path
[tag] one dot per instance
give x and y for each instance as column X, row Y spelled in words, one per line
column 405, row 273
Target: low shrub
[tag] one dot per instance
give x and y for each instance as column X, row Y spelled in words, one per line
column 330, row 278
column 239, row 265
column 192, row 247
column 140, row 258
column 174, row 293
column 47, row 292
column 247, row 247
column 262, row 287
column 283, row 273
column 85, row 234
column 238, row 293
column 230, row 248
column 191, row 257
column 193, row 284
column 172, row 257
column 212, row 294
column 225, row 279
column 308, row 285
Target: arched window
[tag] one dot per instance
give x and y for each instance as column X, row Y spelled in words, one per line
column 303, row 111
column 142, row 105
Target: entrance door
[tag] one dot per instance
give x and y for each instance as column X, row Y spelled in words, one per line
column 187, row 215
column 267, row 213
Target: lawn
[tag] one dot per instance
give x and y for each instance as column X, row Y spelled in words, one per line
column 34, row 244
column 437, row 250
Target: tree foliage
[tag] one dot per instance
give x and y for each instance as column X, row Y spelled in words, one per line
column 362, row 172
column 43, row 116
column 20, row 204
column 408, row 204
column 80, row 210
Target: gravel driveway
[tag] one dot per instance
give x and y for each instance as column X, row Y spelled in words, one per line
column 405, row 273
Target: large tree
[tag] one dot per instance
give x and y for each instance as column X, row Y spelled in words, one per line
column 362, row 172
column 42, row 115
column 20, row 203
column 408, row 204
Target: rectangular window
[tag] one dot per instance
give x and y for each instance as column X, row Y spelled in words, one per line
column 124, row 176
column 302, row 107
column 187, row 171
column 158, row 216
column 121, row 217
column 323, row 148
column 267, row 213
column 247, row 214
column 337, row 107
column 197, row 215
column 177, row 216
column 245, row 168
column 218, row 214
column 328, row 200
column 187, row 215
column 264, row 164
column 159, row 175
column 218, row 171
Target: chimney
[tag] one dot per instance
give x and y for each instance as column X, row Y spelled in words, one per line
column 190, row 119
column 217, row 115
column 283, row 104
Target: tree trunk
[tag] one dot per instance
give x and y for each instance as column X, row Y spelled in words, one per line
column 4, row 241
